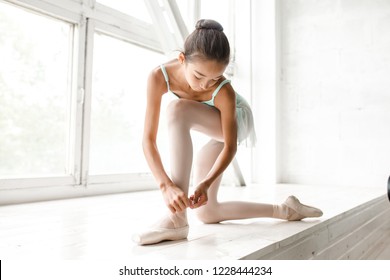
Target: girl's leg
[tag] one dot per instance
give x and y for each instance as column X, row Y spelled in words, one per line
column 183, row 116
column 214, row 211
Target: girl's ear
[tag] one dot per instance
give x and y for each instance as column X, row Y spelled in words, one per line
column 181, row 58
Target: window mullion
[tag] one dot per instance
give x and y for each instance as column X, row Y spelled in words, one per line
column 77, row 103
column 177, row 21
column 164, row 21
column 86, row 106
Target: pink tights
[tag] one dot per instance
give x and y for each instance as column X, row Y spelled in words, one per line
column 184, row 116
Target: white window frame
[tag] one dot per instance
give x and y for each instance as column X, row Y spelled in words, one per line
column 87, row 17
column 47, row 9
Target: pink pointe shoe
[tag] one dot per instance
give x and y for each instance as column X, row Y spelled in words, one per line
column 158, row 235
column 298, row 211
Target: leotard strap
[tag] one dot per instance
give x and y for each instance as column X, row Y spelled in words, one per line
column 164, row 71
column 211, row 101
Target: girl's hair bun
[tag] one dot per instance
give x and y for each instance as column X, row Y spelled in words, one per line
column 207, row 42
column 208, row 24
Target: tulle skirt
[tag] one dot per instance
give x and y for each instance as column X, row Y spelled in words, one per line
column 245, row 123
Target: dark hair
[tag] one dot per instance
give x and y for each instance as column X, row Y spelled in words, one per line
column 207, row 41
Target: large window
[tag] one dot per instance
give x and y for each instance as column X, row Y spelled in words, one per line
column 35, row 90
column 72, row 93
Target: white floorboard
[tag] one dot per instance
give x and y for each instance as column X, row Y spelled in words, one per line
column 100, row 228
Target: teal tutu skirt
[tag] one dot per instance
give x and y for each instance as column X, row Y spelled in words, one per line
column 245, row 123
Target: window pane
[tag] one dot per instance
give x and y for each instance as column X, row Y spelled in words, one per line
column 120, row 72
column 135, row 8
column 34, row 93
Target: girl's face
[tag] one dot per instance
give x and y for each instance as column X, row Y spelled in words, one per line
column 201, row 75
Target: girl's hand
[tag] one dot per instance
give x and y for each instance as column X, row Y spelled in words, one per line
column 175, row 199
column 199, row 198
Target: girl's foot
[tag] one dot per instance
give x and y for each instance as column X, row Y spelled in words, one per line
column 297, row 211
column 293, row 210
column 157, row 235
column 172, row 227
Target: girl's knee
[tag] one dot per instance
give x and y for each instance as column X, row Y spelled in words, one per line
column 177, row 108
column 177, row 113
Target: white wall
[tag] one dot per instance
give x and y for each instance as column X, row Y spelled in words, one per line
column 335, row 92
column 265, row 76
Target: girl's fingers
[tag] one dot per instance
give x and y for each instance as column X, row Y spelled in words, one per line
column 186, row 202
column 172, row 209
column 181, row 204
column 198, row 202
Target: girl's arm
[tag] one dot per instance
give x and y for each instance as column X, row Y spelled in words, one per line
column 225, row 102
column 174, row 197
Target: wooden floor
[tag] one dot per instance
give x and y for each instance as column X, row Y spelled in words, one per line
column 100, row 228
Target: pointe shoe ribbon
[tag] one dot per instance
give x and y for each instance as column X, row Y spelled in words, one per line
column 158, row 235
column 300, row 211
